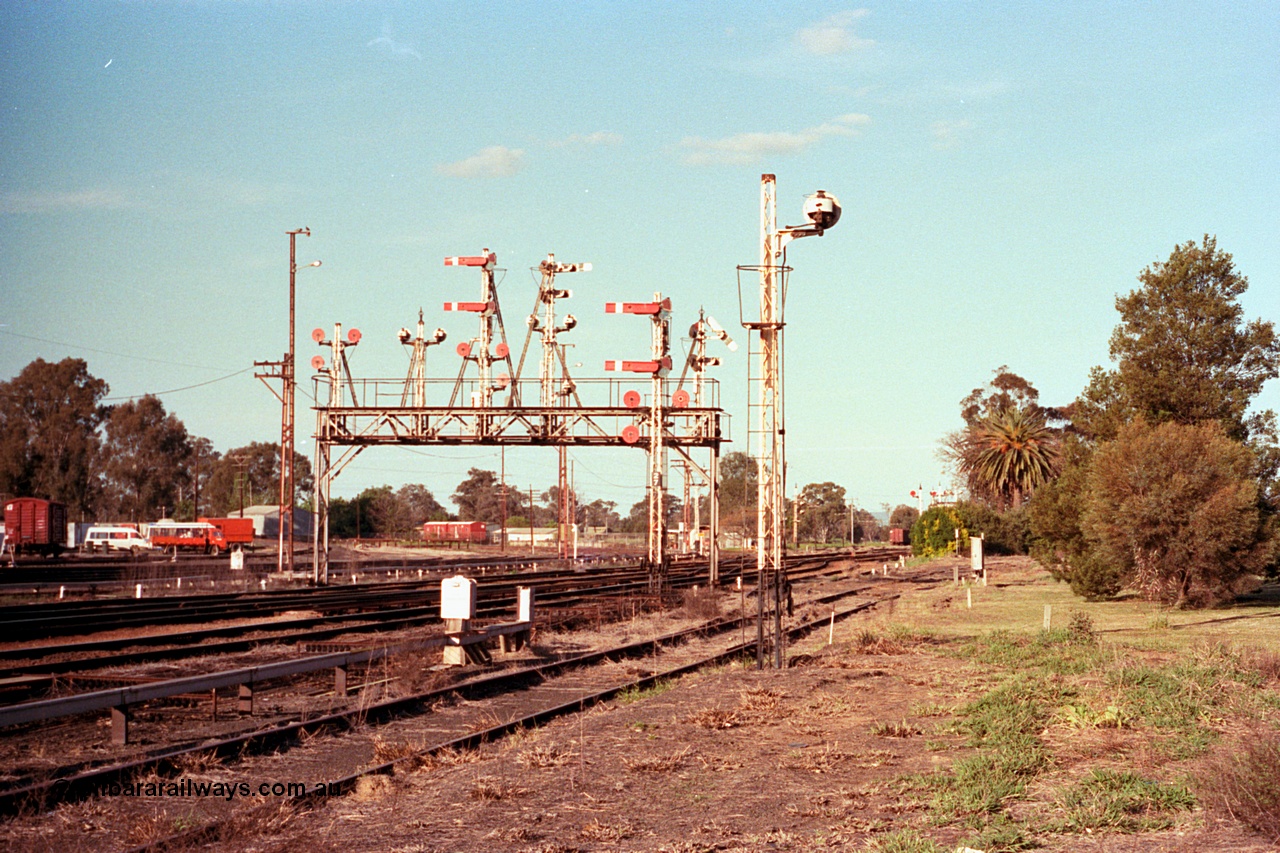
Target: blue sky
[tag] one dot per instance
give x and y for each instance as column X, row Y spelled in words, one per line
column 1006, row 169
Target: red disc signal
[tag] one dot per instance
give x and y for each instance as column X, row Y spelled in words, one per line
column 503, row 380
column 631, row 433
column 317, row 362
column 631, row 399
column 463, row 349
column 353, row 336
column 680, row 399
column 317, row 335
column 502, row 350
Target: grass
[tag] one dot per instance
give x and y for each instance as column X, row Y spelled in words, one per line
column 1240, row 781
column 1168, row 685
column 1121, row 800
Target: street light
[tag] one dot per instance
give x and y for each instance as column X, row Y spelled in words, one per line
column 289, row 403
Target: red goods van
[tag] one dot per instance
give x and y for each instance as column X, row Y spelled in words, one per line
column 35, row 526
column 476, row 532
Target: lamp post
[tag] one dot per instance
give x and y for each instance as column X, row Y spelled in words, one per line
column 288, row 401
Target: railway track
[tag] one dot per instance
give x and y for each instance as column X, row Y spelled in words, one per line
column 395, row 718
column 446, row 718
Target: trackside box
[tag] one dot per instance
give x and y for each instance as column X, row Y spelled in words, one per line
column 457, row 598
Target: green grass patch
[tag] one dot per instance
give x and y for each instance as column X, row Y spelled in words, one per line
column 635, row 694
column 1123, row 801
column 904, row 841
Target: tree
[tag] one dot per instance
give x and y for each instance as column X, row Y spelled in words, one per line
column 1007, row 448
column 1006, row 390
column 599, row 513
column 479, row 498
column 254, row 472
column 1183, row 351
column 421, row 504
column 822, row 514
column 903, row 516
column 736, row 489
column 146, row 452
column 1007, row 455
column 49, row 420
column 1057, row 537
column 1175, row 508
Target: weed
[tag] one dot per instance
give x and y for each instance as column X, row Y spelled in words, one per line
column 900, row 729
column 714, row 718
column 544, row 756
column 701, row 603
column 903, row 841
column 760, row 704
column 597, row 831
column 639, row 694
column 1240, row 781
column 1080, row 628
column 1121, row 800
column 489, row 789
column 658, row 764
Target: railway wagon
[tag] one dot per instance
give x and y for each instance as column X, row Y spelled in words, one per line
column 899, row 536
column 35, row 526
column 474, row 532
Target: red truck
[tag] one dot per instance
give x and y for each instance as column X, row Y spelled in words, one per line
column 236, row 531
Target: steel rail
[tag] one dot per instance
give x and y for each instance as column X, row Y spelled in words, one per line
column 475, row 739
column 75, row 782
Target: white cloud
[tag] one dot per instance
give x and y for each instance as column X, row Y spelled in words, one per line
column 57, row 201
column 834, row 35
column 949, row 134
column 600, row 137
column 745, row 148
column 387, row 43
column 496, row 161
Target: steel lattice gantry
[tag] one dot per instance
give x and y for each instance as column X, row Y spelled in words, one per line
column 371, row 412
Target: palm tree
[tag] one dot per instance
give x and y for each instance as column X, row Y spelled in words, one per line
column 1008, row 454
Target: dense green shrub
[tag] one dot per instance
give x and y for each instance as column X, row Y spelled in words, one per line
column 934, row 532
column 1007, row 532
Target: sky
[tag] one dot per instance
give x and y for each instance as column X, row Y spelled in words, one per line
column 1005, row 171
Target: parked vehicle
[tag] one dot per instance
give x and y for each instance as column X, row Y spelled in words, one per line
column 237, row 531
column 175, row 536
column 35, row 526
column 115, row 537
column 475, row 532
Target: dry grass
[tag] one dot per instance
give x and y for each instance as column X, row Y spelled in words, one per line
column 762, row 705
column 898, row 729
column 597, row 831
column 701, row 603
column 490, row 789
column 715, row 718
column 658, row 763
column 544, row 756
column 1239, row 780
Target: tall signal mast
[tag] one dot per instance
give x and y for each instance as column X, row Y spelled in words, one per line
column 554, row 381
column 767, row 431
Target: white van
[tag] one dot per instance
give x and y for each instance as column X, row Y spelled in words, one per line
column 108, row 538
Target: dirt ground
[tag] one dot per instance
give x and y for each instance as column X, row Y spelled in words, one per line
column 812, row 757
column 819, row 756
